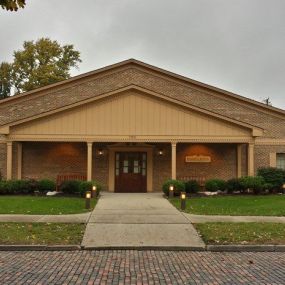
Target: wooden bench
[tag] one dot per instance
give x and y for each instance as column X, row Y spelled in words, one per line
column 67, row 177
column 200, row 179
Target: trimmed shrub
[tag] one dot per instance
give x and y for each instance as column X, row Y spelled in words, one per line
column 273, row 176
column 268, row 187
column 192, row 186
column 214, row 185
column 20, row 186
column 234, row 185
column 33, row 185
column 70, row 187
column 46, row 185
column 87, row 186
column 255, row 183
column 179, row 186
column 3, row 188
column 15, row 187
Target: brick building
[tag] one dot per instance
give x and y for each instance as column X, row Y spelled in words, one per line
column 132, row 125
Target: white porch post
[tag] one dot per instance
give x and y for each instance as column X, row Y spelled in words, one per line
column 173, row 160
column 239, row 159
column 9, row 160
column 19, row 162
column 250, row 159
column 89, row 161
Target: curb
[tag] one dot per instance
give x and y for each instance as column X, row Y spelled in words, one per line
column 39, row 247
column 209, row 248
column 166, row 248
column 245, row 248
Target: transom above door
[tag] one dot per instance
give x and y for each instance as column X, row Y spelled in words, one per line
column 130, row 172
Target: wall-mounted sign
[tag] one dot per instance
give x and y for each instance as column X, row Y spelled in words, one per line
column 197, row 158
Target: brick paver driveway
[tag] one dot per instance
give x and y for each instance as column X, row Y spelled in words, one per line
column 141, row 267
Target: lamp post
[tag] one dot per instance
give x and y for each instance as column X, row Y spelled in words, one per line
column 183, row 200
column 94, row 191
column 87, row 199
column 171, row 190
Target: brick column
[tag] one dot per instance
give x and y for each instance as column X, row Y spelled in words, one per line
column 89, row 161
column 9, row 160
column 250, row 159
column 173, row 160
column 19, row 162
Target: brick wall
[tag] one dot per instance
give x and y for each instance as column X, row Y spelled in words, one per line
column 47, row 160
column 14, row 161
column 222, row 165
column 161, row 165
column 3, row 163
column 262, row 154
column 100, row 166
column 244, row 160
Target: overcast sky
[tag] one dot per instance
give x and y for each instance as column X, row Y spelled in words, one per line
column 237, row 45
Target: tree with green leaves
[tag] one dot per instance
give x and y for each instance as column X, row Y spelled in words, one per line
column 12, row 5
column 38, row 64
column 5, row 80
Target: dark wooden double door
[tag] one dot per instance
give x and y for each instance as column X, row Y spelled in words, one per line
column 130, row 172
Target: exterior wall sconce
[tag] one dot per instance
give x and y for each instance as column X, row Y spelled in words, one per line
column 171, row 191
column 100, row 152
column 94, row 191
column 160, row 152
column 87, row 199
column 183, row 200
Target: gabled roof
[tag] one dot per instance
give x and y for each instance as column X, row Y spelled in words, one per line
column 138, row 63
column 256, row 131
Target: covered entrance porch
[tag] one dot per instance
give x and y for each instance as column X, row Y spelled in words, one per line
column 130, row 166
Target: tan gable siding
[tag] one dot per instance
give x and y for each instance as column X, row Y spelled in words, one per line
column 162, row 84
column 127, row 114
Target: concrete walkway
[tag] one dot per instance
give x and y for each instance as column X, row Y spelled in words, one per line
column 139, row 221
column 196, row 219
column 73, row 218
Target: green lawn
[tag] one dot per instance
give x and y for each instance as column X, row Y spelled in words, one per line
column 242, row 233
column 271, row 205
column 41, row 233
column 42, row 205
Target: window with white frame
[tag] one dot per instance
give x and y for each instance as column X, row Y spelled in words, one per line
column 280, row 160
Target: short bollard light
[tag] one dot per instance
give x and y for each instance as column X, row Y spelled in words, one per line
column 87, row 199
column 94, row 191
column 171, row 191
column 183, row 200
